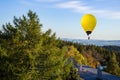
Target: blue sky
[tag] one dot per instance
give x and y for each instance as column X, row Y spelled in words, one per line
column 63, row 16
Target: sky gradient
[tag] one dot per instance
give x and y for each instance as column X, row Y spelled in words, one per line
column 63, row 16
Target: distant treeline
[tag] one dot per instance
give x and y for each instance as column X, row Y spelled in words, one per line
column 113, row 48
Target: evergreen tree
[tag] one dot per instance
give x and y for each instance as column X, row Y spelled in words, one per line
column 26, row 53
column 22, row 43
column 113, row 66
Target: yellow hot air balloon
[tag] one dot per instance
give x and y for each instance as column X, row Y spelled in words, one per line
column 88, row 23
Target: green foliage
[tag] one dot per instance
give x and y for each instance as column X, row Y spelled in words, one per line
column 113, row 66
column 97, row 55
column 73, row 74
column 22, row 43
column 115, row 49
column 26, row 53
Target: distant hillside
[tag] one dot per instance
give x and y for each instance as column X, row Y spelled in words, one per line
column 95, row 42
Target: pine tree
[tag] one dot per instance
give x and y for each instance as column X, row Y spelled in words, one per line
column 29, row 54
column 113, row 66
column 22, row 43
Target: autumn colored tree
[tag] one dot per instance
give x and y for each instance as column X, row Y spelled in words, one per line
column 75, row 54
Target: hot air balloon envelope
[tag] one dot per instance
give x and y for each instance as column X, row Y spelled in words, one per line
column 88, row 23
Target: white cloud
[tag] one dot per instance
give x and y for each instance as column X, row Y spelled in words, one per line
column 76, row 5
column 81, row 7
